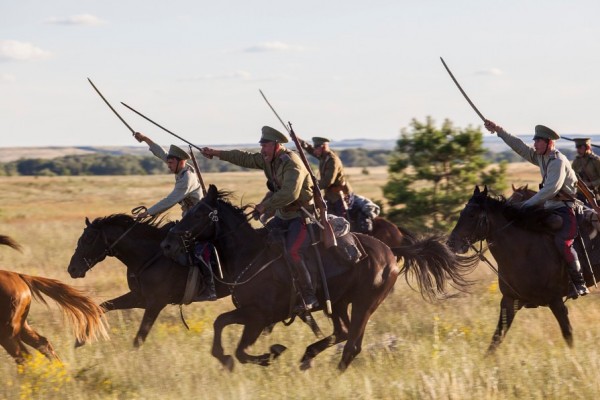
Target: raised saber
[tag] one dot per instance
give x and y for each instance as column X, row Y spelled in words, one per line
column 462, row 91
column 111, row 107
column 161, row 127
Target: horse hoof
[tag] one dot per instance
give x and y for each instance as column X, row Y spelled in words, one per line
column 277, row 349
column 79, row 343
column 228, row 363
column 342, row 366
column 306, row 364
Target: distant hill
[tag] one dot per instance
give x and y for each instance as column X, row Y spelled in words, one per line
column 15, row 153
column 491, row 142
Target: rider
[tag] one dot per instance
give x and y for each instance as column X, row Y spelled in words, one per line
column 331, row 175
column 361, row 213
column 587, row 166
column 187, row 192
column 557, row 192
column 291, row 187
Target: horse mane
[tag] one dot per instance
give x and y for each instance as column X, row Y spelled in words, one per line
column 531, row 218
column 156, row 226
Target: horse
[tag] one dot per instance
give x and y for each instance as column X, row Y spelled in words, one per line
column 16, row 291
column 391, row 234
column 154, row 280
column 263, row 293
column 530, row 269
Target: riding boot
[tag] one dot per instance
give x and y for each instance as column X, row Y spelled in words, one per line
column 307, row 292
column 578, row 287
column 208, row 293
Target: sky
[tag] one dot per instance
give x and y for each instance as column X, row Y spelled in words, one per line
column 340, row 69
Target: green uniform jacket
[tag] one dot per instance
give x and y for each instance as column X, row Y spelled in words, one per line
column 187, row 191
column 557, row 174
column 289, row 178
column 588, row 168
column 331, row 173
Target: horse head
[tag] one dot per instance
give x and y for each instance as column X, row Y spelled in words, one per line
column 520, row 194
column 91, row 249
column 198, row 224
column 472, row 225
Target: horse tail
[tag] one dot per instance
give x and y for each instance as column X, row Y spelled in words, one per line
column 431, row 262
column 8, row 241
column 87, row 318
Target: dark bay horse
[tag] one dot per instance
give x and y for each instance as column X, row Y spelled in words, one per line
column 530, row 269
column 154, row 280
column 16, row 291
column 262, row 295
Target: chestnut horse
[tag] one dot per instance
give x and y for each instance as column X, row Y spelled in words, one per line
column 262, row 294
column 16, row 291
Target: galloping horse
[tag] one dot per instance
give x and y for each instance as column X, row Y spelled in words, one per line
column 530, row 270
column 263, row 285
column 154, row 280
column 16, row 291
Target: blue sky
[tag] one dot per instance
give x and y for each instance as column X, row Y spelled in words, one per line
column 342, row 69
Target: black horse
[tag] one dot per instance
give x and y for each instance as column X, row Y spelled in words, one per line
column 264, row 297
column 154, row 280
column 530, row 269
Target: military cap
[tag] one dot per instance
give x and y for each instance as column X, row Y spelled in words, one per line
column 177, row 152
column 543, row 132
column 318, row 141
column 272, row 135
column 582, row 142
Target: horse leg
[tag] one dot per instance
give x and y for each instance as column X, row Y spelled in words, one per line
column 508, row 309
column 38, row 342
column 14, row 347
column 561, row 313
column 252, row 330
column 340, row 322
column 358, row 323
column 148, row 320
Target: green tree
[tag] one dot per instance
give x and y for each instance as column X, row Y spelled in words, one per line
column 433, row 172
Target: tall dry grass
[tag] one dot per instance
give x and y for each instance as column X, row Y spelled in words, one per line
column 411, row 350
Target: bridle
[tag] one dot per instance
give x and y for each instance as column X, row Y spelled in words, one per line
column 109, row 247
column 188, row 238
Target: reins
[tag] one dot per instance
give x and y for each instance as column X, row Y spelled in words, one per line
column 109, row 247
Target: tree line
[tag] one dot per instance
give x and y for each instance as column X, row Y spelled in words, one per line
column 110, row 164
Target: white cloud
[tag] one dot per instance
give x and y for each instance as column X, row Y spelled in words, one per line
column 491, row 71
column 80, row 20
column 272, row 46
column 13, row 50
column 7, row 78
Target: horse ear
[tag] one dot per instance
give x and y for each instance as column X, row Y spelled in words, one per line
column 87, row 221
column 476, row 191
column 514, row 188
column 212, row 194
column 485, row 190
column 527, row 186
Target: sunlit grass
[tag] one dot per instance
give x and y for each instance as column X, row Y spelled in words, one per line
column 411, row 349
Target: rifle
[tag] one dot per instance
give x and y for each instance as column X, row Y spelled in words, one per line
column 111, row 107
column 197, row 168
column 587, row 193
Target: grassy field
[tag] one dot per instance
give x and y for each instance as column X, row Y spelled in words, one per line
column 411, row 350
